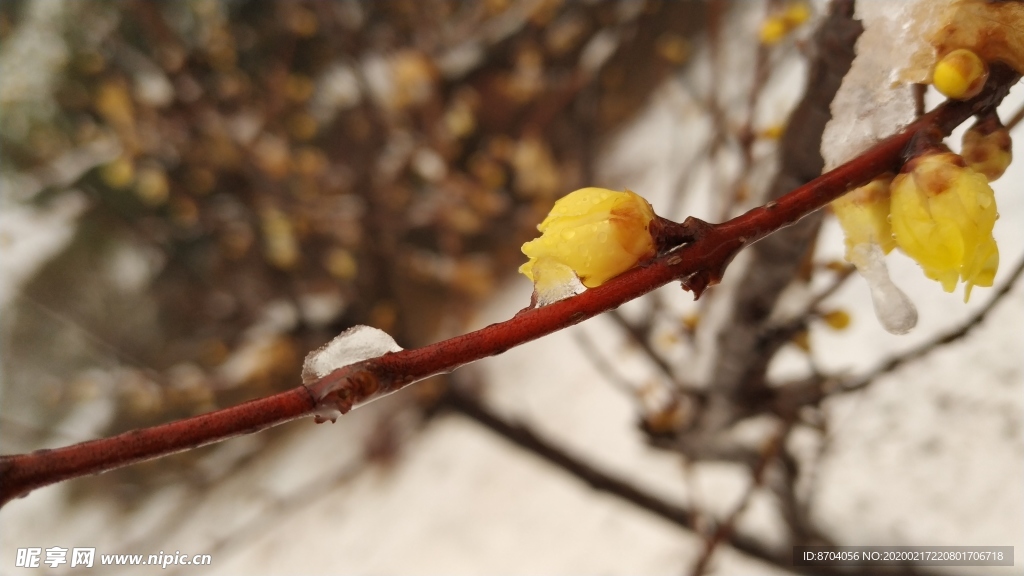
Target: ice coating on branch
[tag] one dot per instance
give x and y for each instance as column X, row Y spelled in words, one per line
column 554, row 281
column 895, row 312
column 876, row 99
column 353, row 345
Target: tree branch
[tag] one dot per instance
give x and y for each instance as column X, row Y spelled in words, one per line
column 598, row 480
column 698, row 264
column 683, row 517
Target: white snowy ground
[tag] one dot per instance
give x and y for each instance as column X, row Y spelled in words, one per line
column 929, row 455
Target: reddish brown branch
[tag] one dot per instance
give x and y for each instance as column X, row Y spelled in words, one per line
column 22, row 473
column 698, row 264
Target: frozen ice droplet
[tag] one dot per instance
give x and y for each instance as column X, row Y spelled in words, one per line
column 554, row 281
column 894, row 310
column 356, row 344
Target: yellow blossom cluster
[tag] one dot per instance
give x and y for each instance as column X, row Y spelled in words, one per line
column 943, row 213
column 940, row 210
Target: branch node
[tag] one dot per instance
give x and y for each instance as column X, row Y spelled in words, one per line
column 669, row 235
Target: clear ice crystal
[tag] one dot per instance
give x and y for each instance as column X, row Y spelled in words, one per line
column 356, row 344
column 554, row 281
column 894, row 310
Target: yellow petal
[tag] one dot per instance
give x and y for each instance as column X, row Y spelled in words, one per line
column 597, row 233
column 943, row 214
column 864, row 215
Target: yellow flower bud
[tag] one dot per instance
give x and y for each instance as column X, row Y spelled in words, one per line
column 796, row 14
column 119, row 173
column 942, row 216
column 775, row 28
column 773, row 31
column 960, row 75
column 987, row 148
column 837, row 319
column 597, row 233
column 864, row 215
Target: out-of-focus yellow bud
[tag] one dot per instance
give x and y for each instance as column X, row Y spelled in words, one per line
column 597, row 233
column 773, row 132
column 119, row 173
column 673, row 47
column 151, row 186
column 942, row 216
column 777, row 27
column 987, row 148
column 772, row 31
column 960, row 75
column 691, row 322
column 282, row 248
column 864, row 216
column 341, row 264
column 796, row 14
column 837, row 319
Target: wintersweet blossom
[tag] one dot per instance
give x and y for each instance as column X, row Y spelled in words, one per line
column 595, row 232
column 864, row 216
column 942, row 216
column 987, row 148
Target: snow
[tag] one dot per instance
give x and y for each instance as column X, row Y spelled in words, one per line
column 356, row 344
column 876, row 98
column 30, row 236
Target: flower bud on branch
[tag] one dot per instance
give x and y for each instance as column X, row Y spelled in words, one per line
column 598, row 233
column 943, row 213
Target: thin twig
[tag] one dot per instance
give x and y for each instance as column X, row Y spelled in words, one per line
column 727, row 527
column 683, row 517
column 606, row 369
column 280, row 507
column 530, row 441
column 639, row 337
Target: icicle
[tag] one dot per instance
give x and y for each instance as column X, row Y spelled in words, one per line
column 894, row 310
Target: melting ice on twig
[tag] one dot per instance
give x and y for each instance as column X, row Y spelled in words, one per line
column 356, row 344
column 895, row 312
column 554, row 281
